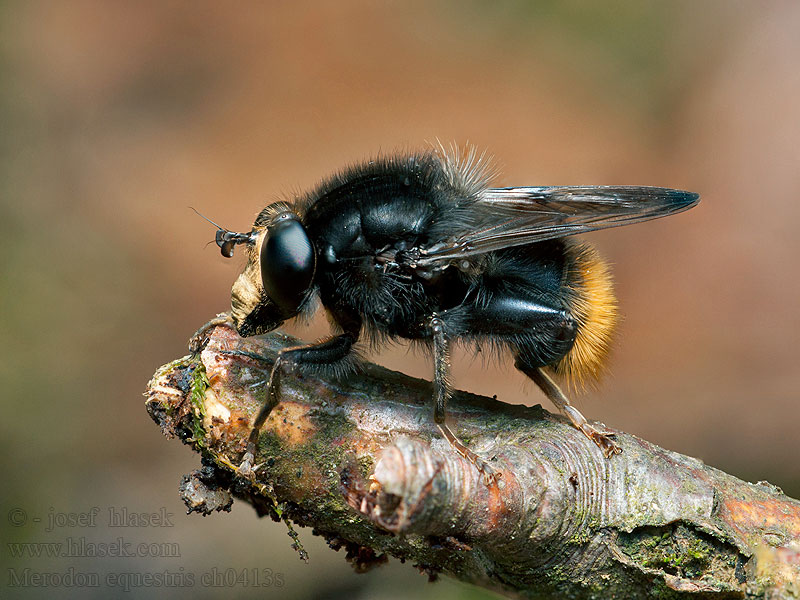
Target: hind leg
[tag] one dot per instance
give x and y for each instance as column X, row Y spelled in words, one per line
column 603, row 439
column 542, row 335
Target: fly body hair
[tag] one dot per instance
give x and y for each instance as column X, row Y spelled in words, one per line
column 592, row 302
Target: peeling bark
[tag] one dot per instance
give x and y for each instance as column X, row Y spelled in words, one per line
column 361, row 461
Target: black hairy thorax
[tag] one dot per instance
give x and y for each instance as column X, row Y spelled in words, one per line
column 362, row 230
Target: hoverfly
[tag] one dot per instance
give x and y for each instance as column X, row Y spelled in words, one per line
column 420, row 246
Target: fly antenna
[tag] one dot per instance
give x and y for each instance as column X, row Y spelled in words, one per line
column 207, row 219
column 225, row 238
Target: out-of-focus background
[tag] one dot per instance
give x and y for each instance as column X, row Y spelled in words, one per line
column 117, row 116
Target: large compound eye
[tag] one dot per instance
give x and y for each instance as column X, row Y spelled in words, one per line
column 287, row 263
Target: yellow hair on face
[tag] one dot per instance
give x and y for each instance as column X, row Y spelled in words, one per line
column 593, row 304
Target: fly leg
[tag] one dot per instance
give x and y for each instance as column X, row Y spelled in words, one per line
column 542, row 334
column 603, row 439
column 200, row 337
column 325, row 356
column 320, row 356
column 442, row 391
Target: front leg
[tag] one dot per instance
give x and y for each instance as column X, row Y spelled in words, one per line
column 322, row 356
column 442, row 392
column 200, row 337
column 314, row 356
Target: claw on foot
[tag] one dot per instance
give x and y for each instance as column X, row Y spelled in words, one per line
column 490, row 475
column 247, row 469
column 200, row 337
column 603, row 439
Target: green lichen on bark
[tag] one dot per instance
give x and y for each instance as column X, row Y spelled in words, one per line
column 684, row 551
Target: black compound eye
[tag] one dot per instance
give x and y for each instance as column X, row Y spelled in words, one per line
column 287, row 263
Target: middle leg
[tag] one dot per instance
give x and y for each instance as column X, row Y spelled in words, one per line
column 443, row 391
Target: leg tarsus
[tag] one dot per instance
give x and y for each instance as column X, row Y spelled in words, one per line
column 603, row 439
column 200, row 337
column 490, row 475
column 246, row 469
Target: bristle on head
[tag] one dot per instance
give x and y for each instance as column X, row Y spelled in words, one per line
column 595, row 306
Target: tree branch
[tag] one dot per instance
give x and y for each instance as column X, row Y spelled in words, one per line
column 361, row 462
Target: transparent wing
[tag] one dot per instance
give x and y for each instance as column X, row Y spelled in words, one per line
column 517, row 216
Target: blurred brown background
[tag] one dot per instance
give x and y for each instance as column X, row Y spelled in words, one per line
column 117, row 116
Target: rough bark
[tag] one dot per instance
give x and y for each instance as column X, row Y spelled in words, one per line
column 361, row 462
